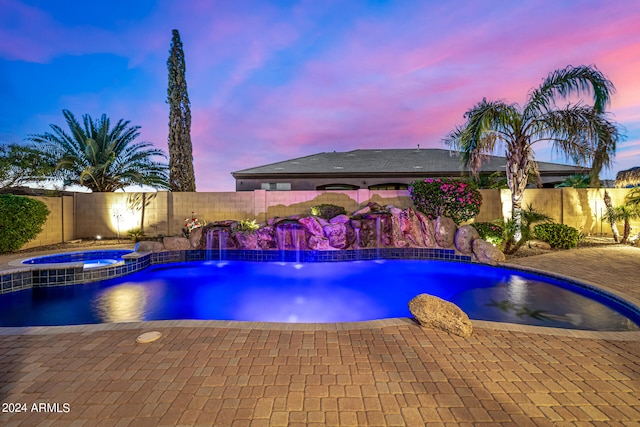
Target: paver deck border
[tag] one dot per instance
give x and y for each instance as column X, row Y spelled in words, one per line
column 346, row 326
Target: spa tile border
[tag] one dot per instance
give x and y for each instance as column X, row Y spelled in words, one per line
column 75, row 256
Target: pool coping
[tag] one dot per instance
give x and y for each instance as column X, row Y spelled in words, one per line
column 310, row 327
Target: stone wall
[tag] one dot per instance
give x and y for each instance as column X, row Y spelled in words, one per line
column 165, row 211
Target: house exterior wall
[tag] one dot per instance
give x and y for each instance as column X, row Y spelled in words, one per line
column 310, row 184
column 362, row 182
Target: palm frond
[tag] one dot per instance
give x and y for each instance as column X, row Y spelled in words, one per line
column 101, row 157
column 567, row 82
column 488, row 125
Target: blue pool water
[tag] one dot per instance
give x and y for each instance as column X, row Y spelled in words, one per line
column 90, row 259
column 318, row 292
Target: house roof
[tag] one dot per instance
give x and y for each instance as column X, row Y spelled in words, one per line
column 389, row 161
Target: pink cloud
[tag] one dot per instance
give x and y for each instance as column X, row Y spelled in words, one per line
column 396, row 79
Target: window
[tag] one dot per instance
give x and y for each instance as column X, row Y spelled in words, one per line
column 337, row 187
column 277, row 186
column 389, row 186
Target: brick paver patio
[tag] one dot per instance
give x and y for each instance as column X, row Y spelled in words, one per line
column 386, row 373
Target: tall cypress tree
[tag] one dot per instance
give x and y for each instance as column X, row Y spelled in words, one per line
column 181, row 174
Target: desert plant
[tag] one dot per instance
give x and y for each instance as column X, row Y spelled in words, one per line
column 624, row 213
column 579, row 131
column 191, row 224
column 246, row 226
column 496, row 180
column 452, row 198
column 503, row 233
column 531, row 216
column 558, row 235
column 633, row 198
column 135, row 235
column 21, row 220
column 100, row 157
column 575, row 181
column 328, row 211
column 489, row 231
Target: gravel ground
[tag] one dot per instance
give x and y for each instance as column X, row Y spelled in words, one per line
column 587, row 242
column 77, row 244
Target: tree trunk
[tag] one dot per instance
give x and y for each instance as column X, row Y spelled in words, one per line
column 627, row 231
column 142, row 209
column 611, row 214
column 517, row 158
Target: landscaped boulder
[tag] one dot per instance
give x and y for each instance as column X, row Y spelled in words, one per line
column 397, row 223
column 176, row 243
column 362, row 211
column 445, row 231
column 539, row 244
column 194, row 237
column 149, row 246
column 312, row 225
column 433, row 312
column 319, row 244
column 266, row 237
column 428, row 230
column 337, row 235
column 487, row 253
column 464, row 239
column 247, row 240
column 339, row 219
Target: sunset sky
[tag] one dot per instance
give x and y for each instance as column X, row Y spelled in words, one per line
column 271, row 80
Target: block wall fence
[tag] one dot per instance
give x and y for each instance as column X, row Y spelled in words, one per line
column 59, row 226
column 87, row 215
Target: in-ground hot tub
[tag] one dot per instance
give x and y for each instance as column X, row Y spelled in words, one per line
column 90, row 259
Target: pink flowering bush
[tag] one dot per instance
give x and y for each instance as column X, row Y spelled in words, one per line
column 448, row 197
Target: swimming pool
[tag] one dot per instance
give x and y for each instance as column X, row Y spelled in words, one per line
column 320, row 293
column 90, row 259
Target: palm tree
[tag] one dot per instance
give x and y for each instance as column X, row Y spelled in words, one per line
column 633, row 198
column 625, row 214
column 575, row 181
column 576, row 130
column 102, row 158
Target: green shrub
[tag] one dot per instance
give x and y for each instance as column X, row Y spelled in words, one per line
column 247, row 226
column 328, row 211
column 21, row 220
column 135, row 235
column 558, row 235
column 490, row 232
column 452, row 198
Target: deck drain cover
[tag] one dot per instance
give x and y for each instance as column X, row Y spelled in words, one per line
column 148, row 337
